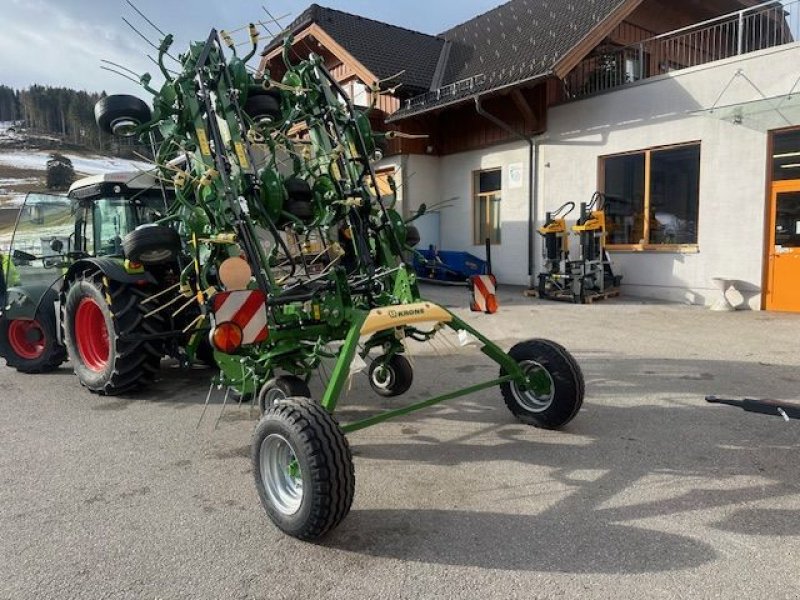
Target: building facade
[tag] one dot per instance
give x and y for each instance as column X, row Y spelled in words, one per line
column 682, row 113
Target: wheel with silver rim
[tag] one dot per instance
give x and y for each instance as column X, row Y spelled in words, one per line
column 391, row 376
column 551, row 393
column 280, row 388
column 303, row 468
column 280, row 472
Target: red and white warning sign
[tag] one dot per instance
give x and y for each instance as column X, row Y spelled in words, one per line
column 484, row 294
column 245, row 308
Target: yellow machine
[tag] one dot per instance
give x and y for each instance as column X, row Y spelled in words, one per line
column 592, row 275
column 555, row 250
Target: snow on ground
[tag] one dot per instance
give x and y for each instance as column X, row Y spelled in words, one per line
column 8, row 181
column 86, row 165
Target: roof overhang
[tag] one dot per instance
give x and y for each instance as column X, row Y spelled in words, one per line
column 571, row 59
column 314, row 31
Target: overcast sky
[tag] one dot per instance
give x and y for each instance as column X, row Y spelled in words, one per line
column 61, row 42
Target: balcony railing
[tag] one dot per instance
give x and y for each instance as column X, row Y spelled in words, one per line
column 764, row 26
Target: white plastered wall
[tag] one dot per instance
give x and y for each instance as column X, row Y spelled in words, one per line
column 733, row 170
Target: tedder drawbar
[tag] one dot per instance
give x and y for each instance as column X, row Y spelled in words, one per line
column 275, row 247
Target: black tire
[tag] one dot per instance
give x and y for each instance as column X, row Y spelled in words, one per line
column 321, row 482
column 152, row 245
column 129, row 363
column 112, row 111
column 279, row 389
column 562, row 402
column 263, row 107
column 412, row 236
column 40, row 351
column 542, row 289
column 301, row 209
column 392, row 377
column 298, row 189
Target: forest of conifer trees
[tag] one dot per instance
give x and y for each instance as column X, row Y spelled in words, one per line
column 60, row 112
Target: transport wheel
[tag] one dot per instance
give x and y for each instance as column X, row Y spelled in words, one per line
column 103, row 340
column 557, row 386
column 392, row 377
column 30, row 345
column 281, row 388
column 152, row 245
column 121, row 114
column 303, row 468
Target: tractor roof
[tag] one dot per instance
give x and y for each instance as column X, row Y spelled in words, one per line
column 135, row 180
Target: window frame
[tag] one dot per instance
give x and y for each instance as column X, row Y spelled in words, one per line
column 648, row 154
column 476, row 196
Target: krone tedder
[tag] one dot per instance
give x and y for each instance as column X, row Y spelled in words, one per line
column 283, row 254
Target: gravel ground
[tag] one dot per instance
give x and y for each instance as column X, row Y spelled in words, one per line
column 648, row 493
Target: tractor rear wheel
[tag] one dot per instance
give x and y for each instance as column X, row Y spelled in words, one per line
column 556, row 386
column 103, row 322
column 303, row 468
column 30, row 345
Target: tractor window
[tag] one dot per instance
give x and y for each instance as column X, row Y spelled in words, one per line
column 35, row 251
column 113, row 219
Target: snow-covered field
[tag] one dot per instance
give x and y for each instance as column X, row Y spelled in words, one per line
column 85, row 165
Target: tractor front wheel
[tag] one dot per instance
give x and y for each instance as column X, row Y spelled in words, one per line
column 30, row 345
column 103, row 325
column 303, row 468
column 555, row 388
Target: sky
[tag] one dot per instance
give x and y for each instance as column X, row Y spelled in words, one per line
column 62, row 42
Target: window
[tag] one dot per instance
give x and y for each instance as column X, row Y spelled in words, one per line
column 486, row 206
column 652, row 197
column 786, row 155
column 358, row 93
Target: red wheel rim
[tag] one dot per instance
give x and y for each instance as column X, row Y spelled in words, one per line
column 27, row 338
column 91, row 335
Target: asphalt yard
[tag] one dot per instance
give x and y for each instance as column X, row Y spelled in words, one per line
column 648, row 493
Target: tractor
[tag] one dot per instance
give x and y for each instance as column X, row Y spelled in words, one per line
column 68, row 256
column 275, row 245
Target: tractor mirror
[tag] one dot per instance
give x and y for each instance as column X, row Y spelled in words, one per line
column 20, row 256
column 56, row 245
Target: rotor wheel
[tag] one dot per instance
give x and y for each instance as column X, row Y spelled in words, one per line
column 282, row 388
column 391, row 376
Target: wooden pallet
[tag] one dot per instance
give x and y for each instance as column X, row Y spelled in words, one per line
column 590, row 299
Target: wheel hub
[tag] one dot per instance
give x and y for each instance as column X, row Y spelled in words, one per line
column 539, row 391
column 27, row 338
column 281, row 474
column 91, row 335
column 383, row 377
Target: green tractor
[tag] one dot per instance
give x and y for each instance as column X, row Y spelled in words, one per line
column 74, row 279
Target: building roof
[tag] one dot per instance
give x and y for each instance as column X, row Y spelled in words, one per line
column 384, row 49
column 518, row 41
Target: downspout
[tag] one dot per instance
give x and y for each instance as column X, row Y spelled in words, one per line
column 533, row 192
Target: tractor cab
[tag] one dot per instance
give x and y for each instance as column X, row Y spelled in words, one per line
column 109, row 206
column 53, row 232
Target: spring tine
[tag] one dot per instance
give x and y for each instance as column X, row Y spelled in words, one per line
column 224, row 403
column 141, row 14
column 205, row 405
